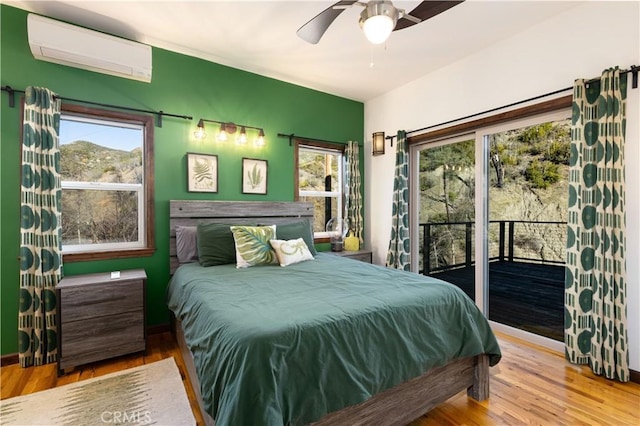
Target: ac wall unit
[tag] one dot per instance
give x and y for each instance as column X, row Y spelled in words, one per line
column 66, row 44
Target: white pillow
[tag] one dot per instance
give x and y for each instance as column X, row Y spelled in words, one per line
column 291, row 251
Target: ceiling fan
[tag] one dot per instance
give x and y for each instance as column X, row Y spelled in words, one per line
column 378, row 19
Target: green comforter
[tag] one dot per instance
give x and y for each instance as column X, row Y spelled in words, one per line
column 276, row 346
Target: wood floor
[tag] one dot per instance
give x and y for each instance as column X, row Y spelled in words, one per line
column 531, row 385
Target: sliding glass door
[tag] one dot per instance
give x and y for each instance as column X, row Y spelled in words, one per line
column 527, row 225
column 445, row 215
column 490, row 217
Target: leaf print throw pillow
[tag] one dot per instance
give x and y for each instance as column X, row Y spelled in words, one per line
column 291, row 251
column 252, row 245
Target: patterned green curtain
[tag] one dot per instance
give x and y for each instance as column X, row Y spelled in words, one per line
column 595, row 283
column 40, row 237
column 398, row 255
column 354, row 198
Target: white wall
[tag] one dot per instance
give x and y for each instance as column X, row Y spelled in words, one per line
column 540, row 59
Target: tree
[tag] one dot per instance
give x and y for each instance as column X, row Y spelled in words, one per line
column 452, row 200
column 99, row 216
column 529, row 166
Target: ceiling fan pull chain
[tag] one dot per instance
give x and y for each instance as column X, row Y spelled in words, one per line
column 371, row 62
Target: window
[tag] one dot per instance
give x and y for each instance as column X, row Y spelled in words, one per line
column 106, row 162
column 319, row 180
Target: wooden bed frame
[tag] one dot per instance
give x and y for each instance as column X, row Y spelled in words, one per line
column 399, row 405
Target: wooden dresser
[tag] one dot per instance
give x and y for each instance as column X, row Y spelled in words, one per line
column 362, row 255
column 100, row 317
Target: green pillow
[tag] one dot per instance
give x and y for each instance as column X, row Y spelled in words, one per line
column 215, row 244
column 294, row 230
column 252, row 245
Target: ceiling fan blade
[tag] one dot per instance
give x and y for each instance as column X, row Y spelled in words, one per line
column 426, row 10
column 313, row 30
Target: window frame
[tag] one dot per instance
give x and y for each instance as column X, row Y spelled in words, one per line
column 320, row 237
column 147, row 248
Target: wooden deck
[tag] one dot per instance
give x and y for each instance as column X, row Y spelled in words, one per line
column 527, row 296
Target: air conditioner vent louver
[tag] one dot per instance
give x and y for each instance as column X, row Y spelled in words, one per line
column 66, row 44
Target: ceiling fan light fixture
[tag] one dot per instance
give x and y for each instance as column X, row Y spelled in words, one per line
column 378, row 19
column 377, row 29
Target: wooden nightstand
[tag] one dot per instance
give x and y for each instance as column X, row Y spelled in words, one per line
column 362, row 255
column 100, row 317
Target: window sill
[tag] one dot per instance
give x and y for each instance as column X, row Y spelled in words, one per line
column 104, row 255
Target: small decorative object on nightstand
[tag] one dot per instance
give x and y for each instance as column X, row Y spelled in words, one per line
column 100, row 317
column 337, row 230
column 362, row 255
column 351, row 242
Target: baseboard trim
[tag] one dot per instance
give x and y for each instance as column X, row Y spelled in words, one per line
column 158, row 328
column 634, row 376
column 10, row 359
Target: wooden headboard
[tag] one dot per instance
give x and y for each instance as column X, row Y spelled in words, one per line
column 190, row 212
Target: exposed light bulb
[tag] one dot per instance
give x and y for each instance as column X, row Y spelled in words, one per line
column 260, row 140
column 199, row 132
column 242, row 137
column 222, row 134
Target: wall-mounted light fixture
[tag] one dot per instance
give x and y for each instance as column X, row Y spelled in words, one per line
column 227, row 129
column 377, row 142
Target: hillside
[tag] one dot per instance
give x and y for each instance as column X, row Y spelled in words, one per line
column 528, row 178
column 99, row 216
column 88, row 162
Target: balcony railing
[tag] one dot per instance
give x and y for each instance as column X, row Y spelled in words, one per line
column 451, row 244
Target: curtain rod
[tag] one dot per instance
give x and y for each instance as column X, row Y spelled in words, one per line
column 292, row 136
column 633, row 70
column 11, row 91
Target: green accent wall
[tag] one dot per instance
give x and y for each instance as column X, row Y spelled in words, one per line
column 181, row 85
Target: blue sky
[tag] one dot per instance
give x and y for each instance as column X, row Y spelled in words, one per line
column 122, row 138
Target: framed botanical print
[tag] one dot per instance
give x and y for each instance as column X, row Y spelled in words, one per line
column 254, row 176
column 202, row 172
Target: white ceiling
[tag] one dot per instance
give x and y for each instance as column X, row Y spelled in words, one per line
column 260, row 36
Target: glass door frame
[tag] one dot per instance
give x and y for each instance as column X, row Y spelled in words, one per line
column 414, row 191
column 482, row 213
column 481, row 136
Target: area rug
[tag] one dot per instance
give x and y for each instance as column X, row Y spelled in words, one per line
column 151, row 394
